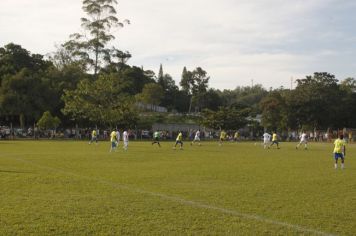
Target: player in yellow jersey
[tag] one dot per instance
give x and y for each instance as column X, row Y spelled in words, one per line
column 94, row 137
column 340, row 151
column 222, row 137
column 274, row 140
column 179, row 140
column 113, row 140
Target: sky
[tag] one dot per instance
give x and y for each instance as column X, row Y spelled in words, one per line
column 238, row 42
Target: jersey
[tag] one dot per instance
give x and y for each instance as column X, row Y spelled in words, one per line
column 274, row 137
column 179, row 137
column 236, row 135
column 125, row 136
column 266, row 136
column 303, row 137
column 339, row 144
column 93, row 134
column 197, row 134
column 156, row 134
column 118, row 136
column 113, row 136
column 222, row 135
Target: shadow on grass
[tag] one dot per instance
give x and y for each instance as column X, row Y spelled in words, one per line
column 15, row 172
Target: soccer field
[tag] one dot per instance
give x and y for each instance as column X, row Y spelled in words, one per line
column 72, row 188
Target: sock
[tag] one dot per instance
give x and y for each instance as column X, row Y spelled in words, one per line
column 335, row 166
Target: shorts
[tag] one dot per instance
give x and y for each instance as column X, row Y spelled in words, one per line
column 156, row 139
column 197, row 139
column 266, row 141
column 180, row 142
column 303, row 141
column 338, row 155
column 113, row 144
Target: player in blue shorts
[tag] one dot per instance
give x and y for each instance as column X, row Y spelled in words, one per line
column 340, row 151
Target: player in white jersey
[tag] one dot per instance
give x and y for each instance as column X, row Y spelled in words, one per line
column 303, row 140
column 125, row 138
column 266, row 140
column 118, row 136
column 196, row 138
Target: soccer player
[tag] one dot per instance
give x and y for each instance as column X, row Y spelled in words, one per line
column 303, row 140
column 179, row 140
column 222, row 137
column 266, row 140
column 340, row 151
column 156, row 137
column 118, row 136
column 94, row 137
column 113, row 141
column 236, row 136
column 196, row 138
column 274, row 140
column 125, row 138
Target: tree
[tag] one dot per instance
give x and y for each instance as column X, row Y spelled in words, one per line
column 160, row 73
column 14, row 58
column 313, row 94
column 170, row 90
column 47, row 121
column 92, row 48
column 225, row 118
column 152, row 94
column 273, row 110
column 195, row 85
column 104, row 101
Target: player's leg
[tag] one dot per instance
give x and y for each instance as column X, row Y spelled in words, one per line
column 336, row 157
column 342, row 162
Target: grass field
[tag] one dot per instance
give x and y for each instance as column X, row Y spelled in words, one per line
column 72, row 188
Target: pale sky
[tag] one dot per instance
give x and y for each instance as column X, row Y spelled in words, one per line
column 235, row 41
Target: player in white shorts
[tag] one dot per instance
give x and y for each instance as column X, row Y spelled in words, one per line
column 125, row 138
column 196, row 138
column 118, row 136
column 303, row 140
column 266, row 140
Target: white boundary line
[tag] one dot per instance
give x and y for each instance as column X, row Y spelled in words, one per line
column 182, row 201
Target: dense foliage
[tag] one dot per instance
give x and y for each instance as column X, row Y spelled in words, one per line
column 87, row 81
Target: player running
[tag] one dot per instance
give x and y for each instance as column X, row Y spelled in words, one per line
column 303, row 140
column 113, row 141
column 179, row 140
column 340, row 151
column 222, row 137
column 274, row 140
column 125, row 139
column 156, row 137
column 196, row 138
column 266, row 140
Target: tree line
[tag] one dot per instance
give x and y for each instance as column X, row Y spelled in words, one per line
column 88, row 81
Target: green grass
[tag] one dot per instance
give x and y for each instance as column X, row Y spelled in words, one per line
column 72, row 188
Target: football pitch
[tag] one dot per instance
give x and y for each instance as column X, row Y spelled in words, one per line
column 72, row 188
